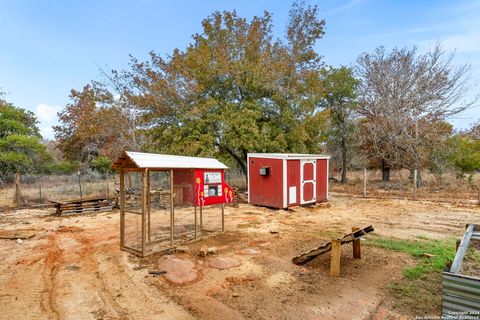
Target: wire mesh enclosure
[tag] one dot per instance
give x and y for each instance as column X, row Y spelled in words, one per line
column 162, row 208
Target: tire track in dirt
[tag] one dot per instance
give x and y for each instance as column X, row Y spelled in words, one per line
column 91, row 262
column 49, row 273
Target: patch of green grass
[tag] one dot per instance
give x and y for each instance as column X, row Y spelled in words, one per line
column 419, row 293
column 442, row 253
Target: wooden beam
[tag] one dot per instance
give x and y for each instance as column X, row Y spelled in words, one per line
column 462, row 249
column 356, row 246
column 201, row 220
column 309, row 255
column 144, row 211
column 172, row 214
column 335, row 258
column 149, row 220
column 195, row 224
column 223, row 217
column 122, row 208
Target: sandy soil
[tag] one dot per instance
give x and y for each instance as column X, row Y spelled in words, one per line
column 73, row 269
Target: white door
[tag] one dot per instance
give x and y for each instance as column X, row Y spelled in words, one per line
column 308, row 181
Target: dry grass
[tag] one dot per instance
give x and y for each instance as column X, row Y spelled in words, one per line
column 447, row 188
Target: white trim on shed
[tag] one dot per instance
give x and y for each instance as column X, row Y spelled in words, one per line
column 288, row 156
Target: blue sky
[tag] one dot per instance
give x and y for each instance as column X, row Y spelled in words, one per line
column 49, row 47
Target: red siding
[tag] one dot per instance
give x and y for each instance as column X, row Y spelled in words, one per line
column 293, row 180
column 322, row 176
column 183, row 181
column 266, row 190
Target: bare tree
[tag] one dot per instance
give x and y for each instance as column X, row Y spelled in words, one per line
column 403, row 95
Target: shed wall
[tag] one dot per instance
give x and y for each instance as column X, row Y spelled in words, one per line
column 293, row 180
column 322, row 180
column 266, row 190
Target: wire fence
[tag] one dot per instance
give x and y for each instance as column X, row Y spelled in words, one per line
column 31, row 190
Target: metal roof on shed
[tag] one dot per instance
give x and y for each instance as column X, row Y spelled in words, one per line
column 164, row 161
column 291, row 156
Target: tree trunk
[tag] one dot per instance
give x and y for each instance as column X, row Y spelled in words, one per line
column 419, row 179
column 344, row 162
column 241, row 162
column 385, row 170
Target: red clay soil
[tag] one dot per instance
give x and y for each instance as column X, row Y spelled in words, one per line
column 73, row 268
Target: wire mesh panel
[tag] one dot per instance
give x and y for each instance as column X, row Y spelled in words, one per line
column 158, row 211
column 212, row 218
column 133, row 210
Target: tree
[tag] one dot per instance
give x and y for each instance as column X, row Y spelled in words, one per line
column 233, row 90
column 94, row 124
column 402, row 95
column 21, row 149
column 474, row 131
column 340, row 93
column 101, row 165
column 464, row 154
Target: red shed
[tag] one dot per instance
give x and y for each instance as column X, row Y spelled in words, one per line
column 280, row 180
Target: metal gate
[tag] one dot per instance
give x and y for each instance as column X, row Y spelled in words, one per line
column 308, row 181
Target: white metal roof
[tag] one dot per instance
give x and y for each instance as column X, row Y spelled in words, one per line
column 159, row 161
column 292, row 156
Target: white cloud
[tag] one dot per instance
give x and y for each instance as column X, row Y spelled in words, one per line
column 47, row 116
column 47, row 132
column 47, row 113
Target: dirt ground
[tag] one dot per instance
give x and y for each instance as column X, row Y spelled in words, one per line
column 73, row 269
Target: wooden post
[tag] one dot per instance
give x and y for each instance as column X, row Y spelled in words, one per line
column 201, row 220
column 172, row 215
column 122, row 208
column 144, row 212
column 40, row 192
column 108, row 189
column 223, row 217
column 356, row 246
column 195, row 211
column 79, row 184
column 335, row 258
column 17, row 190
column 148, row 207
column 365, row 182
column 415, row 184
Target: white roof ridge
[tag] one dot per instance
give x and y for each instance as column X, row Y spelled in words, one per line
column 165, row 161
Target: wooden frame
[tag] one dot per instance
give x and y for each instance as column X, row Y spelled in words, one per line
column 145, row 213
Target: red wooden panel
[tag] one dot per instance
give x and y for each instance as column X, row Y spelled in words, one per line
column 225, row 194
column 322, row 176
column 308, row 171
column 266, row 190
column 183, row 179
column 293, row 180
column 308, row 191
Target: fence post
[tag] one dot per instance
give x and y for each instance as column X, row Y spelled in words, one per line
column 40, row 191
column 79, row 184
column 365, row 182
column 17, row 190
column 415, row 184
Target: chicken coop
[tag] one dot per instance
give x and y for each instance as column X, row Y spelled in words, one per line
column 279, row 180
column 166, row 200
